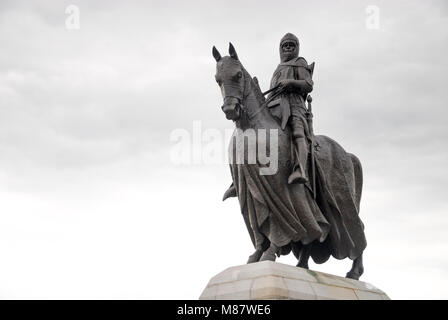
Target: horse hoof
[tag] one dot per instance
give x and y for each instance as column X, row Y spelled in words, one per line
column 268, row 256
column 353, row 275
column 305, row 266
column 255, row 257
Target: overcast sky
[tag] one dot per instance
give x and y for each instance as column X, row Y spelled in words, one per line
column 91, row 204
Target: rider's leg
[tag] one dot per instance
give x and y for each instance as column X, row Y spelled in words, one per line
column 301, row 150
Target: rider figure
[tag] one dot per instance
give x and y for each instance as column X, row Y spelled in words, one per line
column 293, row 77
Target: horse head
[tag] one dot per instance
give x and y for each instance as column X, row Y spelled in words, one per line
column 232, row 80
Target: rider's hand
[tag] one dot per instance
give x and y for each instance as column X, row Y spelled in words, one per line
column 287, row 85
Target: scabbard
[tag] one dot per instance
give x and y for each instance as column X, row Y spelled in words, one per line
column 312, row 156
column 313, row 169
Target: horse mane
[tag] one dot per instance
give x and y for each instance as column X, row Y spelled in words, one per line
column 253, row 82
column 258, row 92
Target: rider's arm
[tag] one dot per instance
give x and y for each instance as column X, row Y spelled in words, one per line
column 299, row 86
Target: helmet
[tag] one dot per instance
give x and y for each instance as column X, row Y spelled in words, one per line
column 289, row 37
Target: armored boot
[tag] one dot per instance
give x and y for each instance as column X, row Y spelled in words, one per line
column 299, row 174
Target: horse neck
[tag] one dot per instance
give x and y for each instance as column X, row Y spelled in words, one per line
column 252, row 113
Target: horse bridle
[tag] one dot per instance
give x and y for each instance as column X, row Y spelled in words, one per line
column 245, row 95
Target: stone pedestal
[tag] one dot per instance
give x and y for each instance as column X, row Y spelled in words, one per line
column 271, row 280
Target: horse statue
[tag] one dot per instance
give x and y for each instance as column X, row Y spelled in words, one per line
column 319, row 221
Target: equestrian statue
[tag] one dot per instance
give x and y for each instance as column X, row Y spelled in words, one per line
column 310, row 204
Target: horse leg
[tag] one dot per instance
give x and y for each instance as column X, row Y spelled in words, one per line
column 304, row 257
column 357, row 269
column 255, row 257
column 259, row 249
column 269, row 254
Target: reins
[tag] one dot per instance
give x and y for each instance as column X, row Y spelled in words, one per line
column 266, row 102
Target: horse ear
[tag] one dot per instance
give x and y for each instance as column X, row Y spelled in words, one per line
column 216, row 54
column 232, row 51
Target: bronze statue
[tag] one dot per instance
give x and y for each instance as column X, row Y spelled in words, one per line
column 310, row 205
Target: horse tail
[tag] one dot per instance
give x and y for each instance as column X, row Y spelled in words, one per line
column 357, row 169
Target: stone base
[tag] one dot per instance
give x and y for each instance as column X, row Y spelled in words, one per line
column 271, row 280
